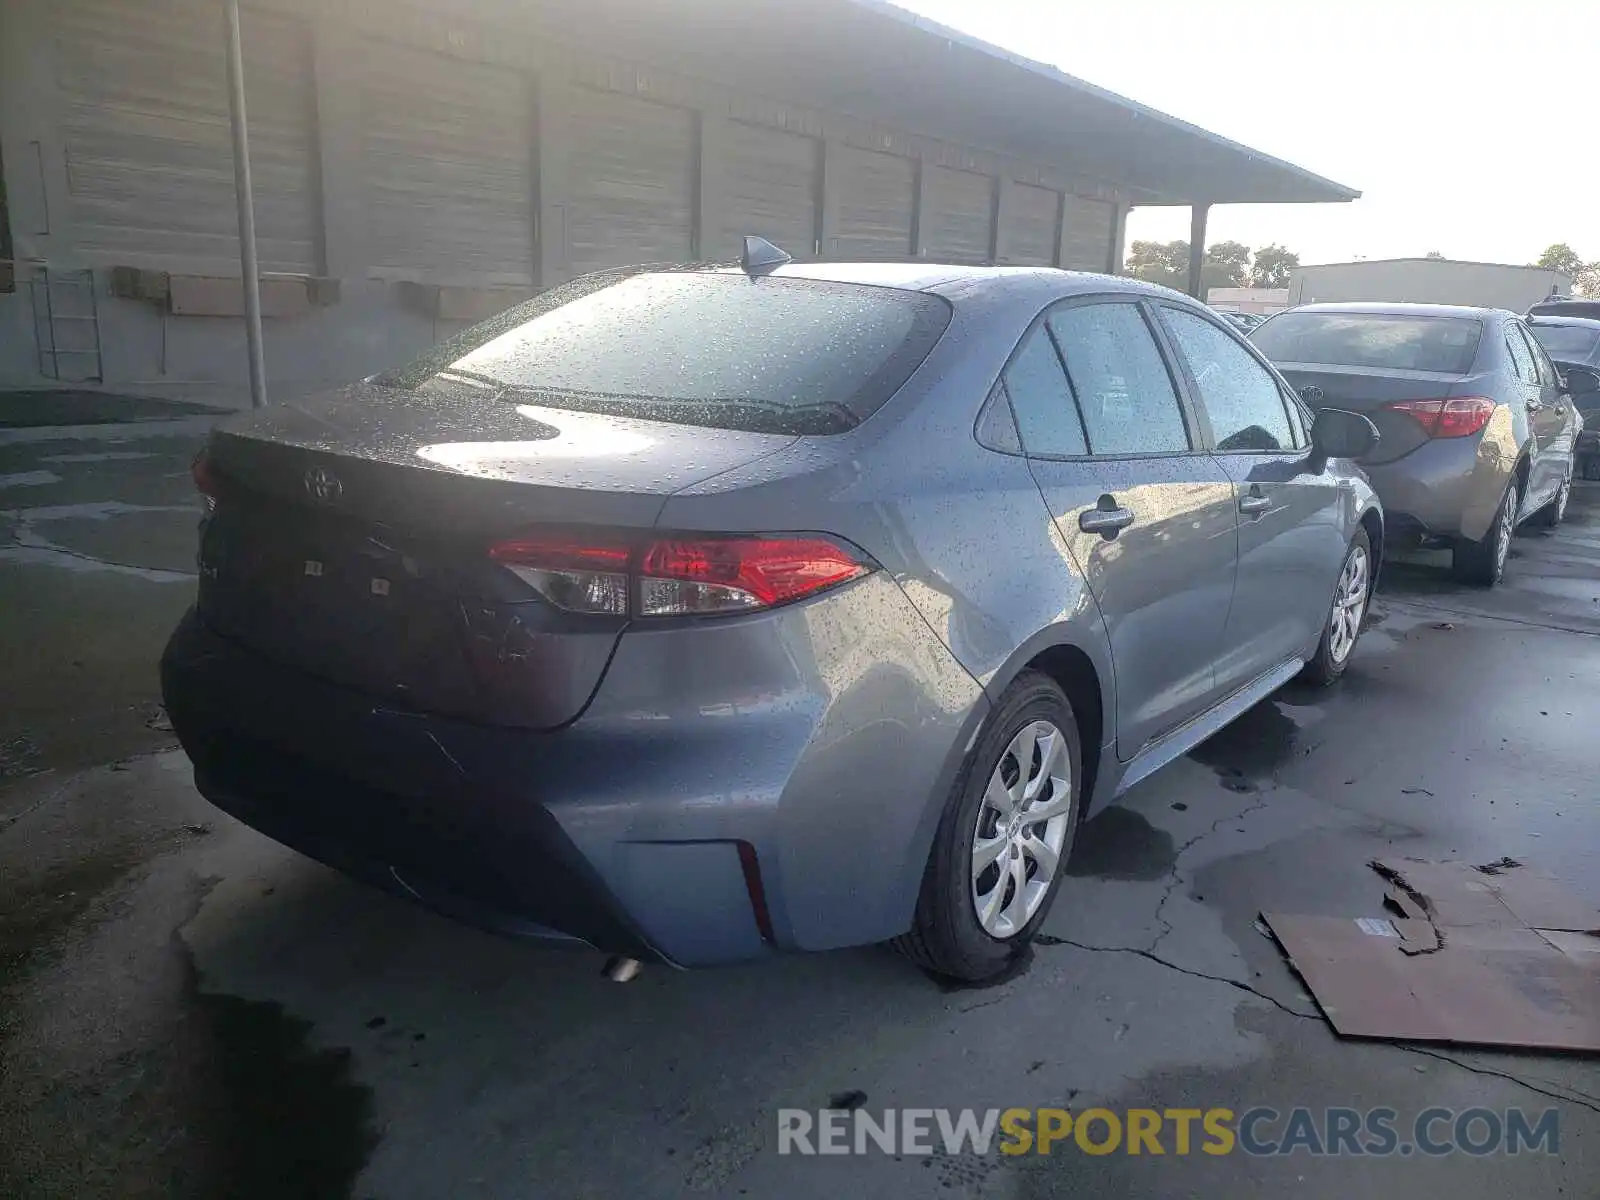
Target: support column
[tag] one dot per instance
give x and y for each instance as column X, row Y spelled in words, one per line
column 552, row 144
column 919, row 215
column 248, row 265
column 1005, row 191
column 1198, row 213
column 711, row 187
column 343, row 251
column 1119, row 236
column 30, row 124
column 830, row 198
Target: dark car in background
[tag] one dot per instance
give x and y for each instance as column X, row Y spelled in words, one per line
column 1574, row 344
column 1566, row 306
column 1477, row 426
column 706, row 614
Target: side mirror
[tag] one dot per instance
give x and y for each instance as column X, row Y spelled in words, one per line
column 1581, row 381
column 1339, row 434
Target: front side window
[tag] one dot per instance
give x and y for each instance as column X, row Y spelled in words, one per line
column 1240, row 396
column 1119, row 379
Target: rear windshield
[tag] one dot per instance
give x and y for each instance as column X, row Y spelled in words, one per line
column 1380, row 340
column 1566, row 341
column 723, row 350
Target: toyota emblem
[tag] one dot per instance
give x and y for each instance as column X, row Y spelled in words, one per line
column 322, row 485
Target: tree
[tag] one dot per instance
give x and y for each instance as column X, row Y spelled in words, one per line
column 1434, row 254
column 1273, row 266
column 1561, row 257
column 1227, row 265
column 1166, row 263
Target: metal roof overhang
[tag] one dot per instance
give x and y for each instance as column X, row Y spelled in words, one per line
column 879, row 62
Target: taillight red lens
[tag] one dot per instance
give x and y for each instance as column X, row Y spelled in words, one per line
column 669, row 577
column 579, row 576
column 735, row 574
column 1456, row 417
column 205, row 479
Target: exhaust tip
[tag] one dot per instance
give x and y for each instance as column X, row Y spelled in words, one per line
column 622, row 970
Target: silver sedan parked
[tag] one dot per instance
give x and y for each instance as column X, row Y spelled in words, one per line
column 1478, row 427
column 698, row 615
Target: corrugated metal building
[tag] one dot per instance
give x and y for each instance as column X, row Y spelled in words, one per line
column 1427, row 281
column 420, row 163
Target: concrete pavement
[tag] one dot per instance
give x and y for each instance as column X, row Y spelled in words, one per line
column 190, row 1010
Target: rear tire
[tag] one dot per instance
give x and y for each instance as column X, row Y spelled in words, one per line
column 1347, row 613
column 973, row 922
column 1484, row 562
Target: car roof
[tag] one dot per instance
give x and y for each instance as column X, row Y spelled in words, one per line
column 967, row 280
column 1576, row 322
column 1385, row 308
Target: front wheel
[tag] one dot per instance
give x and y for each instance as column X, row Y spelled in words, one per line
column 1484, row 562
column 1555, row 512
column 1001, row 850
column 1347, row 613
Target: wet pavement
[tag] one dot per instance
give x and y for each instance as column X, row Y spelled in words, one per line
column 187, row 1009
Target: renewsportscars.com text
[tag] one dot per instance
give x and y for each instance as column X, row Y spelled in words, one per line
column 1258, row 1131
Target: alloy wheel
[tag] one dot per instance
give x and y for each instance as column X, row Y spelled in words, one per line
column 1564, row 495
column 1021, row 829
column 1349, row 604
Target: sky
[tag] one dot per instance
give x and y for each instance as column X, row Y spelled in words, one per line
column 1470, row 128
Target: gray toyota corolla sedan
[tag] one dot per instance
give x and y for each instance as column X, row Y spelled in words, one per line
column 702, row 614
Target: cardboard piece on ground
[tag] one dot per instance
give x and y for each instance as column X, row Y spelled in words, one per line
column 1503, row 957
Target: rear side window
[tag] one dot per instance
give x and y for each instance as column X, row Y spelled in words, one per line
column 775, row 354
column 1119, row 379
column 1241, row 397
column 1548, row 375
column 1521, row 356
column 1046, row 416
column 1382, row 340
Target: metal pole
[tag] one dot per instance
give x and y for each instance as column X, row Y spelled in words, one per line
column 247, row 212
column 1197, row 249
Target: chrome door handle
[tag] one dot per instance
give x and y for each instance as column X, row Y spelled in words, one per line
column 1107, row 522
column 1254, row 505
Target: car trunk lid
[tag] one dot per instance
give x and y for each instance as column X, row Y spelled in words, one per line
column 1369, row 390
column 350, row 539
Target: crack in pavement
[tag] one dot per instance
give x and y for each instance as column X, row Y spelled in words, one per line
column 1553, row 1091
column 1177, row 873
column 1430, row 609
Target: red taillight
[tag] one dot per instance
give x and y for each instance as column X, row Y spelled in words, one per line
column 734, row 574
column 205, row 480
column 576, row 575
column 676, row 577
column 1452, row 418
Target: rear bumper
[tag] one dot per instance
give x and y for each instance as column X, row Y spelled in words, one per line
column 1449, row 488
column 733, row 789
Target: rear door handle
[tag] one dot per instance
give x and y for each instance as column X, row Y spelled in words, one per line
column 1255, row 504
column 1108, row 521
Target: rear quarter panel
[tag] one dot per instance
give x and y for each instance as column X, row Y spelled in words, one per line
column 961, row 530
